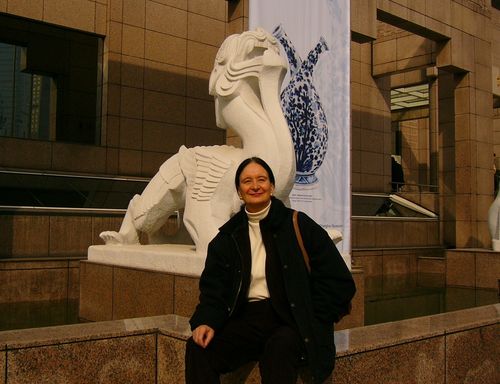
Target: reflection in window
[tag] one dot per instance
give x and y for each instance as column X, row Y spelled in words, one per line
column 25, row 98
column 50, row 82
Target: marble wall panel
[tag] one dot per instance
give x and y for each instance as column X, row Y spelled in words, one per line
column 473, row 356
column 186, row 295
column 30, row 9
column 165, row 78
column 371, row 261
column 138, row 293
column 3, row 362
column 170, row 360
column 73, row 290
column 24, row 235
column 165, row 19
column 96, row 291
column 396, row 262
column 115, row 360
column 216, row 9
column 23, row 285
column 415, row 233
column 487, row 270
column 431, row 265
column 134, row 12
column 460, row 269
column 419, row 362
column 363, row 233
column 197, row 84
column 78, row 15
column 70, row 235
column 389, row 234
column 206, row 30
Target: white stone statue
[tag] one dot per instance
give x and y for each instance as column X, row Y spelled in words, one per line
column 494, row 222
column 246, row 83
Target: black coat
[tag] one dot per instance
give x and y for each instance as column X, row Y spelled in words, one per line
column 316, row 300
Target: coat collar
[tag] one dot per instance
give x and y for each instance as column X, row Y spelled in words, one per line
column 276, row 215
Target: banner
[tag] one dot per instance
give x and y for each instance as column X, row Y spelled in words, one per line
column 315, row 37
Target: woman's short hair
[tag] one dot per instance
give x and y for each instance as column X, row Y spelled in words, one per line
column 257, row 160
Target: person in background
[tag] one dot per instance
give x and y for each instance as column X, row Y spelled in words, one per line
column 258, row 300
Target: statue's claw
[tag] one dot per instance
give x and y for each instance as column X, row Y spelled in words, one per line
column 112, row 238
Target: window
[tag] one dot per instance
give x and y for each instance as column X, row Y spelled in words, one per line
column 50, row 82
column 25, row 98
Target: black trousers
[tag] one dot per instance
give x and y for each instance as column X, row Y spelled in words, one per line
column 256, row 334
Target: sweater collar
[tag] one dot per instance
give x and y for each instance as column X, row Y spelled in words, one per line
column 255, row 217
column 277, row 213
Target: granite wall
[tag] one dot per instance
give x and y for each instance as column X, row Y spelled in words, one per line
column 454, row 347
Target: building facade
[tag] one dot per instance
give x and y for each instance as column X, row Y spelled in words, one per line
column 112, row 88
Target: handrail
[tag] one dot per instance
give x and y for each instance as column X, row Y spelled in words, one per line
column 61, row 210
column 75, row 175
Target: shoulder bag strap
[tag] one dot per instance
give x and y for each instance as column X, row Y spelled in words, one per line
column 300, row 241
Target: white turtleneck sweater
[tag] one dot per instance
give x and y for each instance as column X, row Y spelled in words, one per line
column 258, row 285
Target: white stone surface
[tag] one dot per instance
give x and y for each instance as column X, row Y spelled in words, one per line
column 172, row 258
column 494, row 222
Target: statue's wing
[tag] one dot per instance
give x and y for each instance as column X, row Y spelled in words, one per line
column 210, row 168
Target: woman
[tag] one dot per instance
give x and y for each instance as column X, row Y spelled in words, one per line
column 258, row 301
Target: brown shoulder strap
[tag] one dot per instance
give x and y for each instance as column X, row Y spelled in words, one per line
column 300, row 241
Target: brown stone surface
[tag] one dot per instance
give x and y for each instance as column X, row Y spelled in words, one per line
column 473, row 356
column 371, row 261
column 116, row 360
column 166, row 78
column 415, row 233
column 206, row 30
column 20, row 285
column 357, row 316
column 364, row 233
column 432, row 265
column 96, row 295
column 165, row 19
column 212, row 8
column 389, row 234
column 396, row 262
column 70, row 235
column 170, row 360
column 3, row 364
column 185, row 295
column 487, row 270
column 24, row 235
column 460, row 269
column 418, row 362
column 138, row 293
column 409, row 351
column 73, row 290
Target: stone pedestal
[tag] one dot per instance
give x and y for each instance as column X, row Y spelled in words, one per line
column 118, row 282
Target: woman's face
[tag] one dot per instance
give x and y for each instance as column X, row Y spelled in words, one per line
column 255, row 188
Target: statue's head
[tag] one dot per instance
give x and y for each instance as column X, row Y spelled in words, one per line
column 243, row 56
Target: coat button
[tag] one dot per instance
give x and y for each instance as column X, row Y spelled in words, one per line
column 285, row 266
column 292, row 305
column 306, row 340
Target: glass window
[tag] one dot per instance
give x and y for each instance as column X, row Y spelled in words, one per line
column 50, row 82
column 56, row 190
column 25, row 106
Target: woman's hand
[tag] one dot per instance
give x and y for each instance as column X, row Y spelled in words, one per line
column 203, row 335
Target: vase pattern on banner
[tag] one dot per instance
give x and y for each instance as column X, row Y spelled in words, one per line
column 303, row 110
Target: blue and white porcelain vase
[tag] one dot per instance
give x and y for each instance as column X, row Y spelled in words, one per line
column 303, row 111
